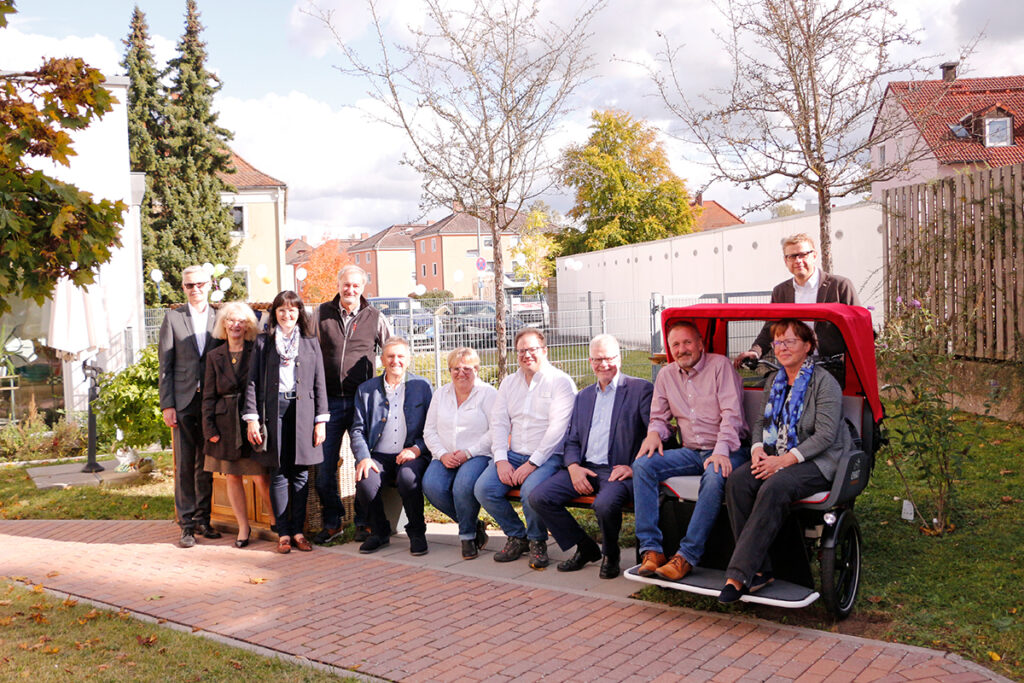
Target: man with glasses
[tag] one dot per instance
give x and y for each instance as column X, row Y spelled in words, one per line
column 186, row 336
column 809, row 285
column 528, row 424
column 608, row 424
column 704, row 394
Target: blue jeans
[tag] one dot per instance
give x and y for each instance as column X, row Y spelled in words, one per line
column 341, row 408
column 649, row 472
column 490, row 491
column 451, row 492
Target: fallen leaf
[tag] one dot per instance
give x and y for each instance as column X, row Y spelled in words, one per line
column 257, row 579
column 4, row 603
column 155, row 597
column 235, row 663
column 994, row 656
column 1005, row 472
column 145, row 506
column 196, row 628
column 69, row 602
column 38, row 588
column 51, row 650
column 161, row 621
column 146, row 641
column 875, row 599
column 39, row 618
column 50, row 575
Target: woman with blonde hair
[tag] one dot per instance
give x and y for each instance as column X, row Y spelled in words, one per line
column 227, row 450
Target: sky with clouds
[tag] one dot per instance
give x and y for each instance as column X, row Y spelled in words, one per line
column 296, row 117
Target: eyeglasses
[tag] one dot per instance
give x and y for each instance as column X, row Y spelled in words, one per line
column 788, row 343
column 802, row 255
column 529, row 351
column 607, row 359
column 462, row 370
column 237, row 322
column 194, row 285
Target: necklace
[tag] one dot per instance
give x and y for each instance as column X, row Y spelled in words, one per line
column 235, row 355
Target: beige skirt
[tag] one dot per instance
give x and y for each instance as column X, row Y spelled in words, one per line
column 242, row 466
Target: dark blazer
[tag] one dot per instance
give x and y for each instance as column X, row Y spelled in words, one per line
column 822, row 436
column 630, row 415
column 261, row 396
column 223, row 399
column 181, row 365
column 833, row 289
column 371, row 412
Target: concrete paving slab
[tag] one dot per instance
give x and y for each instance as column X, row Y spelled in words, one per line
column 70, row 474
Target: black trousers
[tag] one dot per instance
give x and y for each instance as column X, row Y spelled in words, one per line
column 408, row 478
column 193, row 486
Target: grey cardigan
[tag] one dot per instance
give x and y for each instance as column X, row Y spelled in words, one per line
column 822, row 436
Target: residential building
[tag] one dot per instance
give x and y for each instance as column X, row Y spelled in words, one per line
column 949, row 126
column 258, row 205
column 447, row 253
column 387, row 257
column 712, row 214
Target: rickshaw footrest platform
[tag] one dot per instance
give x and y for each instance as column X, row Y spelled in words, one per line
column 709, row 582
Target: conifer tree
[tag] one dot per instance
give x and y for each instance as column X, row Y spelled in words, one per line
column 190, row 224
column 145, row 120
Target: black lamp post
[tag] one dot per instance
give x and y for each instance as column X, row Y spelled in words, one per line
column 92, row 372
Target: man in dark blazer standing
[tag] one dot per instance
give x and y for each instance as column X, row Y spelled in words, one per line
column 186, row 335
column 809, row 285
column 608, row 424
column 387, row 441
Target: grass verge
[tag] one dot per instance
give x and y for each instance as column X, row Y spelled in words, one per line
column 45, row 639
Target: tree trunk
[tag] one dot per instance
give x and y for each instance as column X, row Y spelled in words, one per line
column 499, row 290
column 825, row 228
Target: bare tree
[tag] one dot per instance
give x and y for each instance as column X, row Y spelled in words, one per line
column 808, row 79
column 477, row 91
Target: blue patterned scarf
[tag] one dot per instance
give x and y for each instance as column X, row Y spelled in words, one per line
column 782, row 411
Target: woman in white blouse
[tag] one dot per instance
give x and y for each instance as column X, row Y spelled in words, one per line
column 458, row 434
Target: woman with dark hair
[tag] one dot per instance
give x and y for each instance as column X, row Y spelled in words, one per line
column 799, row 439
column 287, row 394
column 227, row 376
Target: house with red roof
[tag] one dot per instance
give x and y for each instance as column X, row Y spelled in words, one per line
column 712, row 214
column 948, row 126
column 258, row 205
column 387, row 257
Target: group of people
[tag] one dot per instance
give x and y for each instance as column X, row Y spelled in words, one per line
column 467, row 445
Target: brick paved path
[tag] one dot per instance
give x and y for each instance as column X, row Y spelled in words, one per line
column 406, row 622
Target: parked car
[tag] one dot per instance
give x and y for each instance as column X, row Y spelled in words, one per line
column 472, row 323
column 408, row 318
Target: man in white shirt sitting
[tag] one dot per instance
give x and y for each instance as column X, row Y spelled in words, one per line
column 528, row 424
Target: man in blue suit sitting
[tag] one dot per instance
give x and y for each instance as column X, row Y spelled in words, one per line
column 608, row 424
column 387, row 440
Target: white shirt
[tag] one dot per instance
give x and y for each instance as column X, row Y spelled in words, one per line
column 199, row 322
column 601, row 422
column 451, row 427
column 807, row 293
column 531, row 419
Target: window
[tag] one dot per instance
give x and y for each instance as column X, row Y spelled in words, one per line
column 488, row 242
column 241, row 277
column 435, row 269
column 423, row 246
column 433, row 244
column 369, row 278
column 881, row 155
column 238, row 216
column 424, row 270
column 999, row 132
column 369, row 257
column 357, row 259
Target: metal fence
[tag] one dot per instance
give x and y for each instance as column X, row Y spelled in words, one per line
column 440, row 326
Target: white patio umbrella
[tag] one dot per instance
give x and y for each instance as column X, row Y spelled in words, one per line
column 78, row 320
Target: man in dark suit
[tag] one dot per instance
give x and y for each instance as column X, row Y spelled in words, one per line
column 608, row 424
column 186, row 335
column 387, row 440
column 808, row 285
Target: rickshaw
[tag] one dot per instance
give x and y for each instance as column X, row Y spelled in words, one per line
column 821, row 527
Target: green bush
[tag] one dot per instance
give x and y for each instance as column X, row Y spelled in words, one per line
column 32, row 439
column 130, row 401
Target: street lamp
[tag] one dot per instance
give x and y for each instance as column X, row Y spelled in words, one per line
column 157, row 276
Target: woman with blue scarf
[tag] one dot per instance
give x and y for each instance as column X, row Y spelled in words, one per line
column 802, row 439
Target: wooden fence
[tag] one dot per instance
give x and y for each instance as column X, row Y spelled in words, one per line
column 956, row 245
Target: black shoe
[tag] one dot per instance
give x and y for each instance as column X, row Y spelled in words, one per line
column 539, row 554
column 373, row 543
column 609, row 567
column 469, row 549
column 513, row 550
column 481, row 536
column 362, row 533
column 207, row 531
column 243, row 542
column 188, row 538
column 731, row 594
column 585, row 553
column 418, row 545
column 327, row 535
column 760, row 581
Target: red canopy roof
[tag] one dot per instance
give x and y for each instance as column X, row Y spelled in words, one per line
column 853, row 322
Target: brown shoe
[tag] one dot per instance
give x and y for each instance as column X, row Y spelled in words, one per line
column 674, row 569
column 652, row 560
column 284, row 545
column 302, row 544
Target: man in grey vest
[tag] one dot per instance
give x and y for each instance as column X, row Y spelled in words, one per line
column 351, row 333
column 186, row 335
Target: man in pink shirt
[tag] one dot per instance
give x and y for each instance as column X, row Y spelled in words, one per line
column 704, row 393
